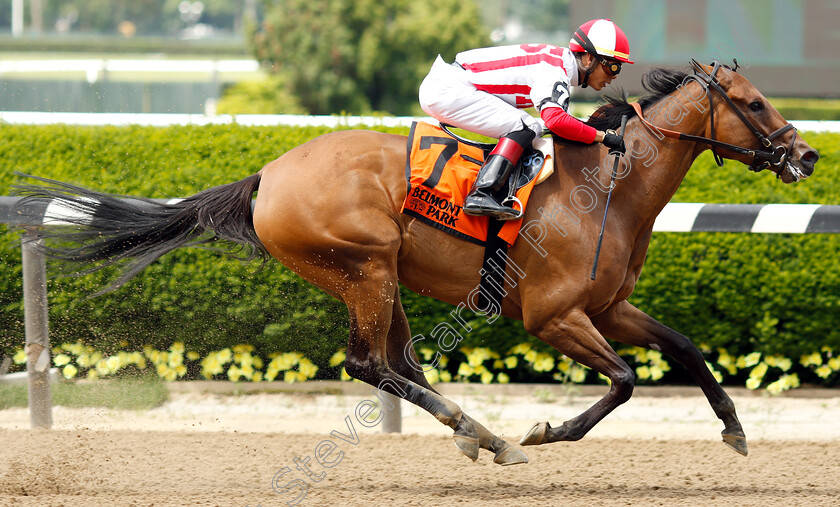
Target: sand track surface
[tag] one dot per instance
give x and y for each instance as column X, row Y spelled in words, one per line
column 264, row 449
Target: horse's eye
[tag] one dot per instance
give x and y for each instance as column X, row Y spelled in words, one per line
column 756, row 106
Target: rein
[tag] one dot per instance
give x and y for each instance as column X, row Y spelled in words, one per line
column 768, row 158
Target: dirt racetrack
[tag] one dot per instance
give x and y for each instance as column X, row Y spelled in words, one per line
column 209, row 449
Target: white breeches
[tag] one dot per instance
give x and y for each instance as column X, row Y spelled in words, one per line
column 447, row 95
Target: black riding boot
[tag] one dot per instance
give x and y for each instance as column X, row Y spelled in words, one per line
column 493, row 174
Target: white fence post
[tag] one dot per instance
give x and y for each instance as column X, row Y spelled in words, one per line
column 36, row 319
column 392, row 418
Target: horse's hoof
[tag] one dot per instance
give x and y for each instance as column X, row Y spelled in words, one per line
column 536, row 435
column 510, row 456
column 737, row 443
column 468, row 445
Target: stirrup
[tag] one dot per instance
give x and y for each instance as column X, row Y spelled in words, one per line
column 513, row 199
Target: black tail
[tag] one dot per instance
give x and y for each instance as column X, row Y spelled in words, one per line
column 133, row 232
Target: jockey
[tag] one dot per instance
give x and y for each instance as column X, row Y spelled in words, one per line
column 486, row 90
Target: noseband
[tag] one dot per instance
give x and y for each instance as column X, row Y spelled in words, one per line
column 770, row 157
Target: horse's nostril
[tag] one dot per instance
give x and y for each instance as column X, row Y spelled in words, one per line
column 811, row 156
column 809, row 159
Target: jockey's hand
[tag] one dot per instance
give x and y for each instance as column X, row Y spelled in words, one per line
column 614, row 142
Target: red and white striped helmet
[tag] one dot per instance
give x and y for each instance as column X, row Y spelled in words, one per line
column 609, row 40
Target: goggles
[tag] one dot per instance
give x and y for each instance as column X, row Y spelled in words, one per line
column 612, row 67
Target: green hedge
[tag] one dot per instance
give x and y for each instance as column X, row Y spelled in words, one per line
column 777, row 294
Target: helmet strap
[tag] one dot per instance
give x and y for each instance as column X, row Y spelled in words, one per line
column 584, row 81
column 582, row 39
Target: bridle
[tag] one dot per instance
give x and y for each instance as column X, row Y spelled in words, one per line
column 770, row 157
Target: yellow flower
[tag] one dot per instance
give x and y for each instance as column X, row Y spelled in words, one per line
column 69, row 371
column 61, row 360
column 643, row 372
column 224, row 356
column 531, row 356
column 432, row 376
column 823, row 371
column 814, row 359
column 114, row 363
column 286, row 361
column 443, row 361
column 427, row 353
column 511, row 362
column 246, row 360
column 175, row 360
column 577, row 374
column 210, row 366
column 565, row 364
column 290, row 377
column 177, row 347
column 543, row 362
column 307, row 368
column 486, row 377
column 752, row 359
column 784, row 383
column 478, row 356
column 243, row 348
column 778, row 361
column 233, row 373
column 498, row 364
column 502, row 378
column 338, row 358
column 521, row 349
column 73, row 348
column 656, row 372
column 257, row 377
column 834, row 363
column 759, row 371
column 726, row 360
column 344, row 375
column 753, row 383
column 464, row 370
column 192, row 355
column 445, row 376
column 662, row 365
column 92, row 375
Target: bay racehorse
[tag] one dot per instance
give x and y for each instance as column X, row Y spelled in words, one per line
column 330, row 211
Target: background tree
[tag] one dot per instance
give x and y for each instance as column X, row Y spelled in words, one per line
column 363, row 55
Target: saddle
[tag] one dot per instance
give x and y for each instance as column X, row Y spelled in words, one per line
column 440, row 171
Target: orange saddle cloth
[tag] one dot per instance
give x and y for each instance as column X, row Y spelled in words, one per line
column 440, row 172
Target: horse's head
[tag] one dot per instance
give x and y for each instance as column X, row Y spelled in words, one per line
column 755, row 131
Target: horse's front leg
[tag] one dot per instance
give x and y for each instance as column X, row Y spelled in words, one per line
column 575, row 336
column 626, row 323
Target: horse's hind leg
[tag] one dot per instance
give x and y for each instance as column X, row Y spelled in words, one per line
column 371, row 302
column 626, row 323
column 575, row 336
column 404, row 361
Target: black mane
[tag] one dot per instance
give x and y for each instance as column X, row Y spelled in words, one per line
column 659, row 82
